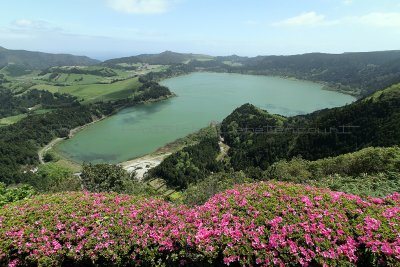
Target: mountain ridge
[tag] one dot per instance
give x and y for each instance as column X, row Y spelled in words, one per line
column 164, row 58
column 41, row 60
column 355, row 73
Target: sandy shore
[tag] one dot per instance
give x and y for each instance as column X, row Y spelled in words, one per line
column 143, row 164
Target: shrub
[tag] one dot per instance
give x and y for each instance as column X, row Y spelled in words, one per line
column 378, row 185
column 51, row 178
column 13, row 194
column 266, row 224
column 368, row 172
column 198, row 193
column 48, row 157
column 370, row 160
column 189, row 165
column 103, row 177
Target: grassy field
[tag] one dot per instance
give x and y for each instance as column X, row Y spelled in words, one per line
column 14, row 119
column 87, row 87
column 389, row 92
column 162, row 189
column 11, row 120
column 64, row 163
column 95, row 92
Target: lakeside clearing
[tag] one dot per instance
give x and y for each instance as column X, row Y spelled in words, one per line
column 143, row 164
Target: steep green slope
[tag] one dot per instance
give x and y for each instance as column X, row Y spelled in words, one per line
column 39, row 60
column 257, row 140
column 368, row 72
column 388, row 93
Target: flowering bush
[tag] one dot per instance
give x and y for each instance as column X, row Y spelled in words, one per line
column 265, row 224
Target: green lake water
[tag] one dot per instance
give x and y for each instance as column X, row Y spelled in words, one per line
column 202, row 98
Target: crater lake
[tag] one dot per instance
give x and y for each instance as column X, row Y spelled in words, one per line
column 201, row 99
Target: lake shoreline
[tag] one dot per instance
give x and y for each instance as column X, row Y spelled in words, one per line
column 145, row 156
column 325, row 85
column 57, row 140
column 51, row 146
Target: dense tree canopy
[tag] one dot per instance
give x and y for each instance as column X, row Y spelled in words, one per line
column 191, row 164
column 11, row 104
column 103, row 177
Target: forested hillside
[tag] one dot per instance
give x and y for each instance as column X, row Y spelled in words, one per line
column 20, row 142
column 367, row 122
column 356, row 73
column 366, row 72
column 11, row 105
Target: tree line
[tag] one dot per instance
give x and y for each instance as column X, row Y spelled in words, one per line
column 11, row 104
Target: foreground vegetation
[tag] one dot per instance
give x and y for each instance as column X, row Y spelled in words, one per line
column 14, row 194
column 264, row 224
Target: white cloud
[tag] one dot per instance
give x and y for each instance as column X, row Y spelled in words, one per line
column 347, row 2
column 39, row 25
column 27, row 23
column 309, row 18
column 375, row 19
column 140, row 6
column 23, row 23
column 378, row 19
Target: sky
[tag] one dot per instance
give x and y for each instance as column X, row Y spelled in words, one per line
column 105, row 29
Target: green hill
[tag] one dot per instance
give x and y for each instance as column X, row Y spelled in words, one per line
column 368, row 72
column 38, row 60
column 164, row 58
column 258, row 140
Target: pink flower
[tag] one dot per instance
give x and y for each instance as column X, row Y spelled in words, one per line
column 13, row 263
column 56, row 245
column 274, row 222
column 377, row 200
column 387, row 249
column 308, row 239
column 306, row 201
column 391, row 212
column 371, row 223
column 81, row 231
